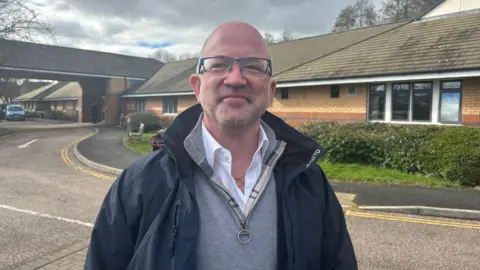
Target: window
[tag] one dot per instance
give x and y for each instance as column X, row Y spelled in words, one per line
column 352, row 91
column 334, row 91
column 450, row 102
column 400, row 101
column 140, row 105
column 170, row 105
column 284, row 93
column 376, row 102
column 422, row 102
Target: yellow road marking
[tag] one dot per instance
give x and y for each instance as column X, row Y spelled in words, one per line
column 413, row 220
column 69, row 162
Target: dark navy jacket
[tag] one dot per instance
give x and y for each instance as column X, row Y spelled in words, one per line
column 150, row 219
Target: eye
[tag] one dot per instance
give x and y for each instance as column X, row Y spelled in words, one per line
column 216, row 64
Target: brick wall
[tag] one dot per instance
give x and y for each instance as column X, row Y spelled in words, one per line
column 471, row 102
column 184, row 102
column 315, row 104
column 112, row 100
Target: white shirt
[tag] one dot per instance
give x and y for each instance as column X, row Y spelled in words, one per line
column 220, row 159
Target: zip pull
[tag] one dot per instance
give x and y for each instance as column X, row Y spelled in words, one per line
column 244, row 235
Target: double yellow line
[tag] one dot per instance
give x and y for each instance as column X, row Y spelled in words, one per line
column 70, row 163
column 413, row 220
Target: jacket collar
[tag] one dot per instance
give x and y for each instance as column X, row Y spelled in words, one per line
column 300, row 151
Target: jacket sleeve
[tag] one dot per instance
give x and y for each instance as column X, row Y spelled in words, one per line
column 337, row 248
column 112, row 238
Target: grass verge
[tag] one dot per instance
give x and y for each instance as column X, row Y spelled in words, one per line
column 342, row 172
column 362, row 173
column 140, row 146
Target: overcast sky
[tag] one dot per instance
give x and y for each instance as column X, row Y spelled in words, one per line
column 137, row 27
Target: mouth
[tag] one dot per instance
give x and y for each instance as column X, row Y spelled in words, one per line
column 235, row 98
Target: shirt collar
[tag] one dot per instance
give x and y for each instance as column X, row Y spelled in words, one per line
column 212, row 146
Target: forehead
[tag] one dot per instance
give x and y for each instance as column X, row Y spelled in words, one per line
column 236, row 43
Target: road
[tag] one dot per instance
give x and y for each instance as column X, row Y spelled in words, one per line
column 35, row 177
column 47, row 204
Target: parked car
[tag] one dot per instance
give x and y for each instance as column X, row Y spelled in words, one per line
column 15, row 112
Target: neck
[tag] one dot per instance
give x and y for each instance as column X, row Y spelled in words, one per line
column 242, row 142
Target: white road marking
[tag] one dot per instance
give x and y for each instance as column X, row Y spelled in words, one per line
column 27, row 144
column 46, row 215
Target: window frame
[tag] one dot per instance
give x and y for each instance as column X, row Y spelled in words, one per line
column 143, row 107
column 166, row 101
column 441, row 91
column 430, row 117
column 409, row 110
column 369, row 95
column 284, row 93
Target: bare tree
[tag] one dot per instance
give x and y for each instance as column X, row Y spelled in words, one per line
column 186, row 55
column 346, row 19
column 269, row 38
column 164, row 56
column 286, row 35
column 358, row 15
column 20, row 22
column 399, row 10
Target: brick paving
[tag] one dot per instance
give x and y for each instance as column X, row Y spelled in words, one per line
column 72, row 257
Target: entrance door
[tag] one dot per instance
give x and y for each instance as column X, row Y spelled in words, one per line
column 104, row 108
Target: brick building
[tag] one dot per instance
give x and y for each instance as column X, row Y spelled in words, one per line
column 424, row 71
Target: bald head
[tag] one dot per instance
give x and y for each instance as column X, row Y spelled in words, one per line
column 235, row 34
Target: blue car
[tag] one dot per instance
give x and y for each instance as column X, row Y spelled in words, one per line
column 15, row 112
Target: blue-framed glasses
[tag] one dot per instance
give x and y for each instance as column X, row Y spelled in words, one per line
column 219, row 66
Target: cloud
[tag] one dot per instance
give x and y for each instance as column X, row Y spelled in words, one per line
column 139, row 27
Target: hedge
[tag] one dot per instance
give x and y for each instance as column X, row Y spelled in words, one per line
column 444, row 152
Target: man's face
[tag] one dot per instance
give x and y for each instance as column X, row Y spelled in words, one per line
column 234, row 98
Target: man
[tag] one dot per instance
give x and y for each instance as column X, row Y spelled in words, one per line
column 234, row 187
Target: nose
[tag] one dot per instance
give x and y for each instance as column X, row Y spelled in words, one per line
column 235, row 77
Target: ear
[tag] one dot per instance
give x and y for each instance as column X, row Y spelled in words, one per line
column 195, row 83
column 273, row 90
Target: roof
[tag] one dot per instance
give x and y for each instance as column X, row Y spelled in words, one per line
column 68, row 91
column 18, row 54
column 287, row 55
column 172, row 77
column 40, row 93
column 447, row 44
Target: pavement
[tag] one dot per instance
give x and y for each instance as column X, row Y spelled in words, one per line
column 49, row 200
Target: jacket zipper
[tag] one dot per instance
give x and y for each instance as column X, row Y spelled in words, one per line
column 174, row 235
column 292, row 230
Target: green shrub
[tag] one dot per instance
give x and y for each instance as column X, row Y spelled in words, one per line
column 347, row 143
column 151, row 122
column 454, row 155
column 448, row 153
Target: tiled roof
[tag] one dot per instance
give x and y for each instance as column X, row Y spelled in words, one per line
column 445, row 44
column 39, row 93
column 67, row 91
column 288, row 55
column 173, row 77
column 17, row 54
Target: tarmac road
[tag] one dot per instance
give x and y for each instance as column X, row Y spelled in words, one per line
column 35, row 179
column 45, row 204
